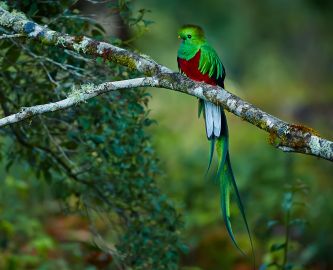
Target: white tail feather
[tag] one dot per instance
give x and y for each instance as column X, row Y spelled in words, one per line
column 217, row 120
column 209, row 119
column 212, row 119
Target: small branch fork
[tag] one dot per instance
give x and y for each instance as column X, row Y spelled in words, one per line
column 291, row 138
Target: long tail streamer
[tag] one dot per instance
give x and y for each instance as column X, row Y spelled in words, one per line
column 226, row 180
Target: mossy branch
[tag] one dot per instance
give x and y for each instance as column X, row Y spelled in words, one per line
column 75, row 97
column 289, row 137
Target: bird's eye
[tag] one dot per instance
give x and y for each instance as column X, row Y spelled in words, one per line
column 189, row 36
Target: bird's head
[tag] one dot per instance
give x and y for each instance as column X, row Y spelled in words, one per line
column 191, row 34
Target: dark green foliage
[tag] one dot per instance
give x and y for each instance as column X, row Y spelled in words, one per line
column 99, row 151
column 284, row 251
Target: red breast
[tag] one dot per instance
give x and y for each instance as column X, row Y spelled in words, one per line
column 191, row 69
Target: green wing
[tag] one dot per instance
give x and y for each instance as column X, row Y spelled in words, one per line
column 210, row 62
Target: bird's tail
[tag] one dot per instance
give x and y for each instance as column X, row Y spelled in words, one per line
column 217, row 133
column 212, row 116
column 227, row 182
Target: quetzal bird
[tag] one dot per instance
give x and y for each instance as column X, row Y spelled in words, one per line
column 200, row 62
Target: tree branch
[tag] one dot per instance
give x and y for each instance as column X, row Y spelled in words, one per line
column 5, row 36
column 77, row 96
column 291, row 138
column 18, row 23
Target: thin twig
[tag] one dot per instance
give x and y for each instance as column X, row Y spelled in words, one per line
column 4, row 36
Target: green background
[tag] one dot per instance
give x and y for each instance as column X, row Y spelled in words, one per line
column 278, row 56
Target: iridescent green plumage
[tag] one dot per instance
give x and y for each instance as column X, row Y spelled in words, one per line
column 210, row 62
column 209, row 68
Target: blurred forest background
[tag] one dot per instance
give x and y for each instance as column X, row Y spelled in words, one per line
column 278, row 55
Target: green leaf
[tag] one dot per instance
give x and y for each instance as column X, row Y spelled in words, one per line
column 11, row 57
column 100, row 27
column 4, row 44
column 276, row 247
column 301, row 223
column 272, row 223
column 288, row 266
column 287, row 201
